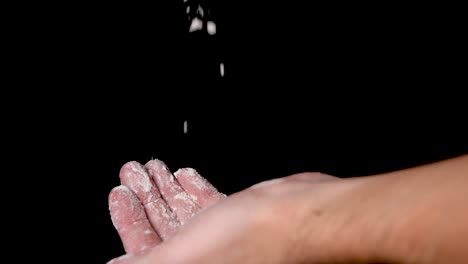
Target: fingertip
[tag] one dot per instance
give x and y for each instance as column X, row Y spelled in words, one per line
column 128, row 168
column 194, row 179
column 130, row 221
column 185, row 171
column 161, row 175
column 118, row 195
column 171, row 190
column 130, row 165
column 124, row 206
column 201, row 190
column 136, row 178
column 157, row 165
column 120, row 260
column 117, row 191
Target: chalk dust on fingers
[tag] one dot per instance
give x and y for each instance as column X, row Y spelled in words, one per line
column 160, row 215
column 175, row 196
column 129, row 218
column 201, row 191
column 133, row 175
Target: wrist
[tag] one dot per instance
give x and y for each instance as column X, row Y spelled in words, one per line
column 350, row 224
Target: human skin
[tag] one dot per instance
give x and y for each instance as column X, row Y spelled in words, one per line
column 417, row 215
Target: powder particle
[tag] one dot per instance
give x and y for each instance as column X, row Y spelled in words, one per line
column 221, row 69
column 211, row 27
column 196, row 25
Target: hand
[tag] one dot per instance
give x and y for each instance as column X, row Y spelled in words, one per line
column 259, row 225
column 151, row 205
column 417, row 215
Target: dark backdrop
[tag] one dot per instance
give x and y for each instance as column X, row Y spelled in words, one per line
column 346, row 90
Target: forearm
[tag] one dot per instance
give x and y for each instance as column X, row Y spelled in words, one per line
column 431, row 212
column 418, row 215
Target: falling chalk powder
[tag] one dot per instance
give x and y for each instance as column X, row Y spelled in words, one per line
column 200, row 20
column 200, row 11
column 221, row 69
column 196, row 25
column 211, row 27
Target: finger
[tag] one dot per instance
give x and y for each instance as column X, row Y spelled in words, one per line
column 125, row 259
column 199, row 189
column 119, row 260
column 130, row 220
column 160, row 215
column 175, row 196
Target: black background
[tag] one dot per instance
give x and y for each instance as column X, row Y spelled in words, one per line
column 346, row 90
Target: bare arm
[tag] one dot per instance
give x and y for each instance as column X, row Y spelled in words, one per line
column 417, row 215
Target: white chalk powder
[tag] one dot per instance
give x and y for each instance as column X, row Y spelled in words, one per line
column 221, row 69
column 164, row 211
column 144, row 182
column 211, row 27
column 196, row 25
column 200, row 11
column 200, row 14
column 183, row 196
